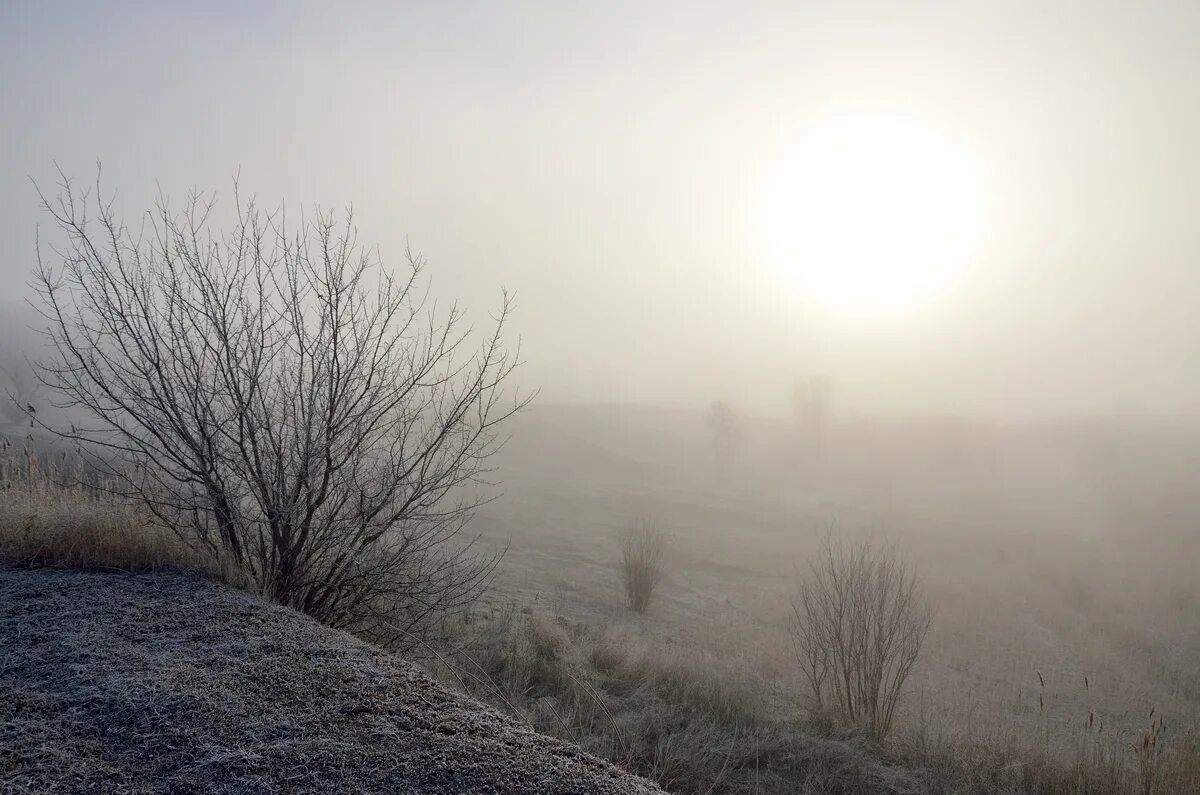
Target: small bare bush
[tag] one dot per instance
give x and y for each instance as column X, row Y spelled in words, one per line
column 858, row 623
column 643, row 549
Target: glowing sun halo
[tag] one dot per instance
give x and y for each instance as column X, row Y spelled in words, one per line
column 870, row 214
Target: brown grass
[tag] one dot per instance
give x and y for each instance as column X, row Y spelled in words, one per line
column 1088, row 759
column 643, row 550
column 49, row 520
column 691, row 721
column 696, row 722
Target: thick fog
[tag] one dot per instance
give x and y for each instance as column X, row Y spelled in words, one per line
column 606, row 164
column 784, row 273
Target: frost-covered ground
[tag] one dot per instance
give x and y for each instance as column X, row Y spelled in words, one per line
column 168, row 683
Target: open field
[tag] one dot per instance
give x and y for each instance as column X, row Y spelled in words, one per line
column 1064, row 555
column 1064, row 625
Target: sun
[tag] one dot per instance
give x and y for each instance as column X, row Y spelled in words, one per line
column 870, row 213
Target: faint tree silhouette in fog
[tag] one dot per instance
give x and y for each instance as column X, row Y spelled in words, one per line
column 812, row 405
column 643, row 551
column 275, row 394
column 858, row 622
column 726, row 431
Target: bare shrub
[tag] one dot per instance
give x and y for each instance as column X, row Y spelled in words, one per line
column 643, row 549
column 858, row 622
column 276, row 394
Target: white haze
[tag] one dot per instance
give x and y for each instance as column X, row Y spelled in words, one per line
column 601, row 160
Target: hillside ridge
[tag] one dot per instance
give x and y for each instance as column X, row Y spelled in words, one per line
column 155, row 683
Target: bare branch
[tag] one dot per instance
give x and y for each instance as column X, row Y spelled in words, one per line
column 858, row 623
column 278, row 394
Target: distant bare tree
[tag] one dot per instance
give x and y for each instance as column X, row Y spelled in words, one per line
column 279, row 397
column 858, row 623
column 643, row 550
column 812, row 401
column 726, row 432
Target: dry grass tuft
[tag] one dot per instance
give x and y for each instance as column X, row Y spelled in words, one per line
column 85, row 535
column 643, row 550
column 609, row 651
column 1087, row 760
column 45, row 523
column 548, row 640
column 1179, row 769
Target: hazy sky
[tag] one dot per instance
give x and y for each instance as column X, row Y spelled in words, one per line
column 606, row 161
